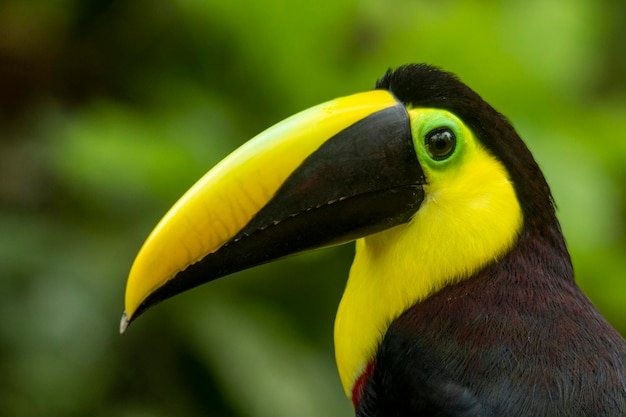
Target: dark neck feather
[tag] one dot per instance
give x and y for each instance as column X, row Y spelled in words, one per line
column 517, row 339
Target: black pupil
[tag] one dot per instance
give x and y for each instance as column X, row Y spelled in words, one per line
column 440, row 143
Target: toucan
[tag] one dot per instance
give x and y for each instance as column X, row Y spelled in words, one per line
column 461, row 299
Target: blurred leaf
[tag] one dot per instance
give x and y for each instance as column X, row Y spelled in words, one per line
column 114, row 156
column 237, row 339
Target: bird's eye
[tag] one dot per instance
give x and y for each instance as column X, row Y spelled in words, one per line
column 440, row 143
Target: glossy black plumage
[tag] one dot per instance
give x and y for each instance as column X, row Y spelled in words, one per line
column 518, row 338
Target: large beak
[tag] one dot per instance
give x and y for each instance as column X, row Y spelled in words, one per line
column 328, row 175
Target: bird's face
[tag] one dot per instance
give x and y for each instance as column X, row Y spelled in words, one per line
column 469, row 216
column 428, row 203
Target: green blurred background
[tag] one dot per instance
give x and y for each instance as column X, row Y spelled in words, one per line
column 110, row 110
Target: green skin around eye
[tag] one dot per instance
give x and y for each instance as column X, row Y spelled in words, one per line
column 432, row 120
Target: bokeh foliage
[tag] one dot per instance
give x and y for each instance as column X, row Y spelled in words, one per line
column 110, row 110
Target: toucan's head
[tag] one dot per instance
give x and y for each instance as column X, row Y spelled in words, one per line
column 429, row 179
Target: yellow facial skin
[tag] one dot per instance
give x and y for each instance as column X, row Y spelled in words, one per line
column 213, row 210
column 470, row 216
